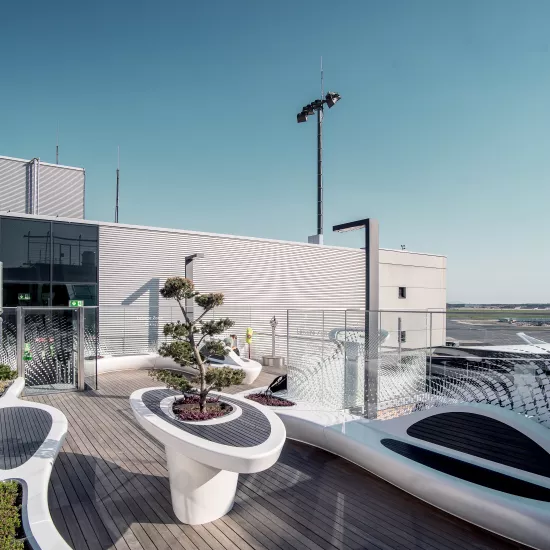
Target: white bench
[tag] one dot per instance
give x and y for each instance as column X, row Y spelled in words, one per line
column 35, row 433
column 369, row 445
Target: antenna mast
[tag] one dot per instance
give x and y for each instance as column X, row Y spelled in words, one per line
column 322, row 80
column 117, row 182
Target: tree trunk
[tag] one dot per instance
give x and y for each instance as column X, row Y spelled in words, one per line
column 203, row 392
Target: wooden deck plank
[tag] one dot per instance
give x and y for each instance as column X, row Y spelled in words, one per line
column 110, row 489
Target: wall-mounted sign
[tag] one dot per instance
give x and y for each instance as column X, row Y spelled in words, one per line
column 76, row 303
column 24, row 297
column 27, row 352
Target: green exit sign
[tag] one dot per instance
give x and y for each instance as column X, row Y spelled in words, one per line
column 24, row 297
column 76, row 303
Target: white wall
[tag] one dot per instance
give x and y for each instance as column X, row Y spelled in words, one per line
column 424, row 277
column 60, row 188
column 259, row 277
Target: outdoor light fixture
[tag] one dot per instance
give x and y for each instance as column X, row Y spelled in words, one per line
column 189, row 261
column 352, row 226
column 330, row 99
column 198, row 256
column 372, row 306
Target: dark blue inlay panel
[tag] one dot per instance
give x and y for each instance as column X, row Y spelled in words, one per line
column 468, row 472
column 22, row 432
column 248, row 430
column 484, row 437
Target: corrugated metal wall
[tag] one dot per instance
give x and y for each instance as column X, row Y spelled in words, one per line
column 259, row 279
column 61, row 189
column 13, row 185
column 61, row 192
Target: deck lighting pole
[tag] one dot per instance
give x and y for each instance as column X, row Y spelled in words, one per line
column 372, row 306
column 330, row 99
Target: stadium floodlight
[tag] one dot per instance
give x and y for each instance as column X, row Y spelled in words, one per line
column 331, row 98
column 317, row 105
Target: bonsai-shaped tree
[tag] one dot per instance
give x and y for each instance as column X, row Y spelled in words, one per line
column 188, row 336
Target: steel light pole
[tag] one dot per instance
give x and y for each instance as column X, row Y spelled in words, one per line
column 372, row 305
column 317, row 106
column 189, row 302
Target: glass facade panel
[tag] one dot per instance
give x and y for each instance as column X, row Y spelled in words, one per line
column 26, row 294
column 48, row 263
column 75, row 250
column 63, row 294
column 25, row 249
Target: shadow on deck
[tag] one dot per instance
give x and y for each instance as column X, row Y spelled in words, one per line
column 110, row 489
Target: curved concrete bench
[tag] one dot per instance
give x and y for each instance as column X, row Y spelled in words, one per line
column 250, row 367
column 30, row 439
column 205, row 458
column 387, row 449
column 110, row 363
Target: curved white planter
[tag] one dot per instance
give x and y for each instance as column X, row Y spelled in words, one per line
column 34, row 473
column 358, row 440
column 204, row 459
column 251, row 368
column 109, row 363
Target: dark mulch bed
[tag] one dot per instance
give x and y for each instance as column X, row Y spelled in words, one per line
column 187, row 408
column 269, row 400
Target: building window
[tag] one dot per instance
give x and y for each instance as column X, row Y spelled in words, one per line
column 48, row 263
column 74, row 253
column 63, row 294
column 25, row 250
column 26, row 294
column 403, row 336
column 402, row 292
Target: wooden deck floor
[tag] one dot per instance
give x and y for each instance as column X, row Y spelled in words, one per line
column 109, row 489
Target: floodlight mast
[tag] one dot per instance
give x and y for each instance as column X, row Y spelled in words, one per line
column 330, row 100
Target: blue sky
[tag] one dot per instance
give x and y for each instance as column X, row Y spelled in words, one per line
column 443, row 132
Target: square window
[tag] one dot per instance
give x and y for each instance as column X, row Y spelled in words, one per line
column 402, row 292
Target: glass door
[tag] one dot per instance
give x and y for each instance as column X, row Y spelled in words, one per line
column 50, row 349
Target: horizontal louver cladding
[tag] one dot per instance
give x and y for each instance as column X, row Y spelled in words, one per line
column 135, row 263
column 259, row 279
column 60, row 188
column 61, row 192
column 13, row 185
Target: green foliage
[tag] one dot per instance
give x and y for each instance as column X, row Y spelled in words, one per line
column 186, row 339
column 213, row 347
column 224, row 377
column 213, row 328
column 209, row 301
column 10, row 520
column 174, row 380
column 182, row 352
column 6, row 373
column 178, row 288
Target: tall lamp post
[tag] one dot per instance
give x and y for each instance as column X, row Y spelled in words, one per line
column 372, row 305
column 330, row 100
column 189, row 302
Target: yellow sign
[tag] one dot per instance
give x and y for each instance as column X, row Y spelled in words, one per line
column 249, row 333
